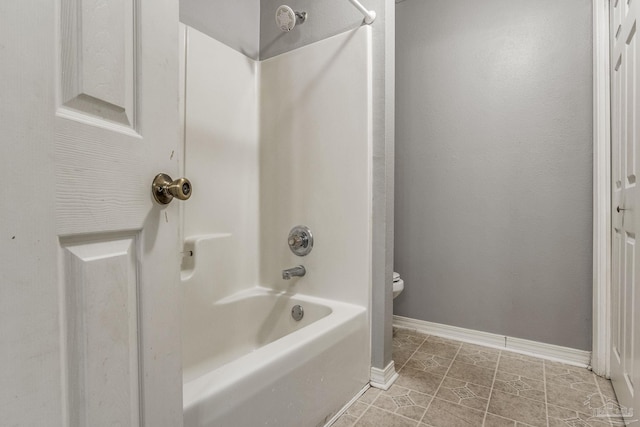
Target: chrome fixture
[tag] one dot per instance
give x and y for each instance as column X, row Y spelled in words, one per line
column 298, row 271
column 287, row 18
column 300, row 240
column 297, row 312
column 164, row 189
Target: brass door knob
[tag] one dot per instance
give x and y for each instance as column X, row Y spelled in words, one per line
column 164, row 189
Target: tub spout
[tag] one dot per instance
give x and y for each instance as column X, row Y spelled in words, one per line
column 298, row 271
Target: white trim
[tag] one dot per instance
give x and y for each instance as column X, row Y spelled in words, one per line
column 517, row 345
column 384, row 378
column 347, row 405
column 601, row 189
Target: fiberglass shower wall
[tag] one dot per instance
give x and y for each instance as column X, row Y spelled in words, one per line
column 315, row 159
column 274, row 144
column 221, row 159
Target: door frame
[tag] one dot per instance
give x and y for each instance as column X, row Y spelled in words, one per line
column 600, row 361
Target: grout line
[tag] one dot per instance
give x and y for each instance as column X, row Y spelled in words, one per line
column 544, row 364
column 396, row 414
column 426, row 337
column 546, row 398
column 415, row 351
column 495, row 374
column 602, row 397
column 363, row 412
column 440, row 385
column 369, row 405
column 599, row 389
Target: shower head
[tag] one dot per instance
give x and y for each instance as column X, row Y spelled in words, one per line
column 287, row 18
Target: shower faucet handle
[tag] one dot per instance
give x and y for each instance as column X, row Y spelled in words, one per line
column 297, row 241
column 164, row 189
column 300, row 240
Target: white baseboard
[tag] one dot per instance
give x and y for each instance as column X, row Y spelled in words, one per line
column 556, row 353
column 384, row 378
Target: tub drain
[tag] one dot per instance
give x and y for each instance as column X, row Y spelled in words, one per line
column 297, row 312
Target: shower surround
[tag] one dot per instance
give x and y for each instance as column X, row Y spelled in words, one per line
column 271, row 145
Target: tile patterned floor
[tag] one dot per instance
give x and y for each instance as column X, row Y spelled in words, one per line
column 445, row 383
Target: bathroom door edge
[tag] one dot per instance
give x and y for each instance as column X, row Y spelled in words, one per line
column 601, row 334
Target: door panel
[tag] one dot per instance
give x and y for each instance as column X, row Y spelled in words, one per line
column 98, row 64
column 101, row 315
column 625, row 348
column 616, row 297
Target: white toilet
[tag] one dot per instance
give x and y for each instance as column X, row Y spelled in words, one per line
column 398, row 284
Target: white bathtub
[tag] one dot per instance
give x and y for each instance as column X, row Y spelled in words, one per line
column 246, row 362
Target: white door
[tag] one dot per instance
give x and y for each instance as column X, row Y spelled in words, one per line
column 625, row 90
column 89, row 291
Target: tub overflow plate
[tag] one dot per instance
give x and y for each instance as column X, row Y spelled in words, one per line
column 297, row 312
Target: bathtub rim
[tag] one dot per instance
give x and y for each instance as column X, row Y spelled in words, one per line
column 213, row 382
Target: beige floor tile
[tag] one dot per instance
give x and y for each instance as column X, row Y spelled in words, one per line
column 560, row 413
column 429, row 363
column 516, row 364
column 357, row 409
column 606, row 389
column 566, row 397
column 461, row 375
column 578, row 422
column 496, row 421
column 480, row 356
column 519, row 385
column 370, row 395
column 375, row 417
column 570, row 376
column 401, row 405
column 442, row 340
column 408, row 340
column 400, row 356
column 518, row 408
column 345, row 421
column 521, row 356
column 562, row 417
column 421, row 399
column 472, row 348
column 464, row 393
column 447, row 414
column 402, row 401
column 423, row 382
column 396, row 390
column 471, row 373
column 407, row 347
column 399, row 332
column 444, row 350
column 557, row 367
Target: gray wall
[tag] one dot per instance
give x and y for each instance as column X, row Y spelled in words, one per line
column 327, row 18
column 235, row 23
column 493, row 166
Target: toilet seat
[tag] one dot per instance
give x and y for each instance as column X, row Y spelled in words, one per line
column 398, row 284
